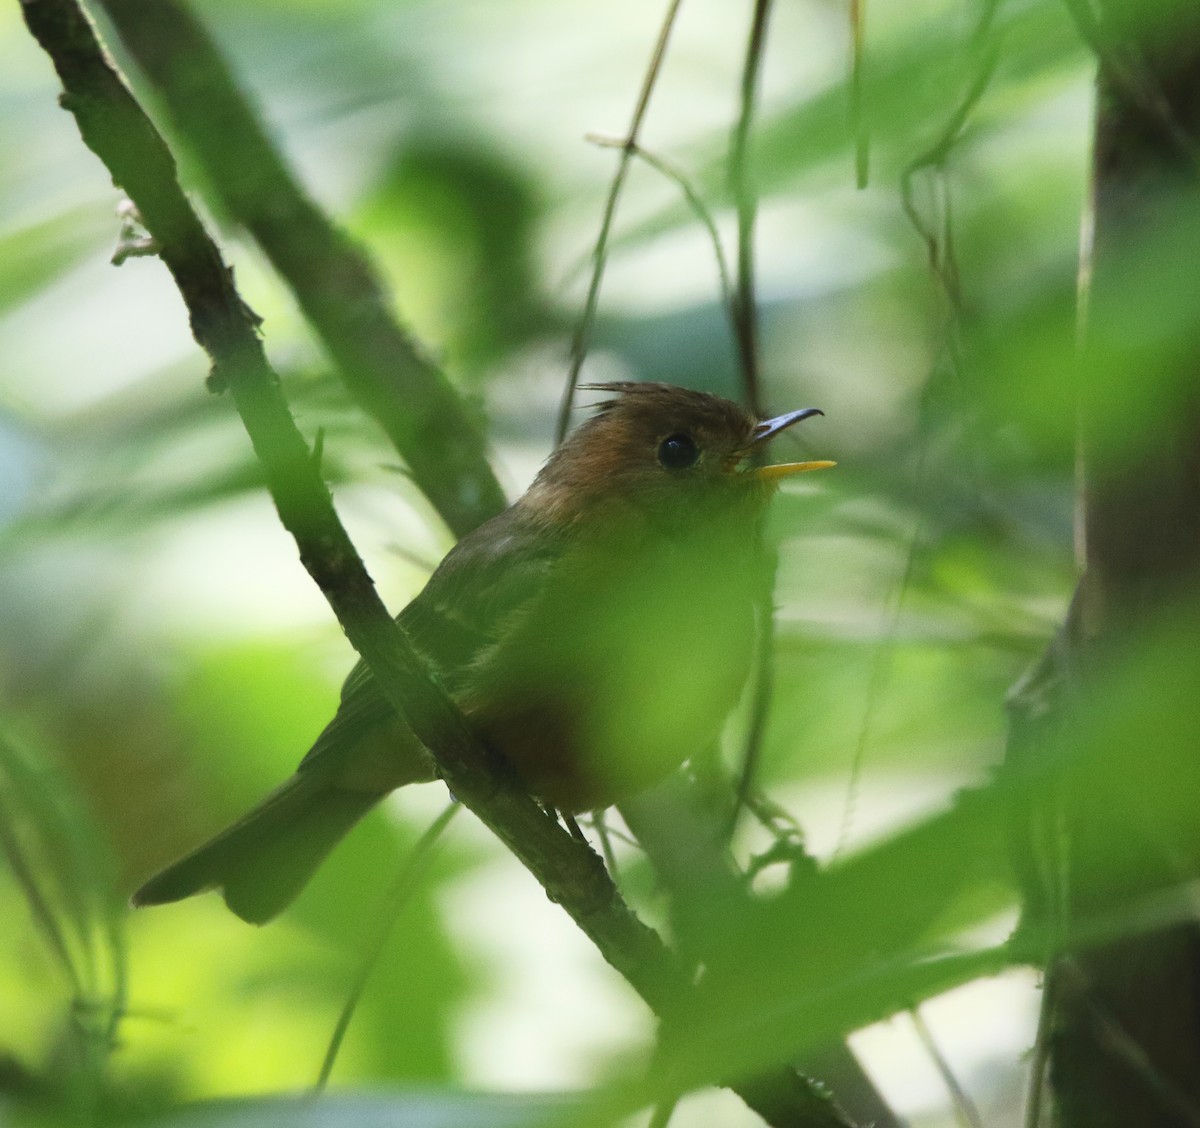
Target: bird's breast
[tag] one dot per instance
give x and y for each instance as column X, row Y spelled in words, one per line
column 628, row 664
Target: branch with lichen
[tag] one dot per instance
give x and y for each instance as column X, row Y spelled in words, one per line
column 114, row 127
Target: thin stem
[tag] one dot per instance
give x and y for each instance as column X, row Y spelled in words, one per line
column 583, row 330
column 746, row 200
column 881, row 664
column 988, row 49
column 858, row 116
column 938, row 153
column 39, row 906
column 398, row 899
column 600, row 826
column 744, row 312
column 692, row 198
column 1083, row 309
column 1040, row 1057
column 763, row 692
column 964, row 1106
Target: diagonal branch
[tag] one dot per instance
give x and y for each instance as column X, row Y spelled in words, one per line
column 114, row 126
column 334, row 281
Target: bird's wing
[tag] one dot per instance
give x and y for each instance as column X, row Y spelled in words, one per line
column 490, row 576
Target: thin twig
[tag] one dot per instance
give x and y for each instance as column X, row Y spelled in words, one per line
column 763, row 691
column 744, row 310
column 1083, row 308
column 692, row 198
column 982, row 42
column 39, row 906
column 583, row 330
column 938, row 237
column 114, row 919
column 599, row 823
column 399, row 897
column 71, row 902
column 858, row 115
column 746, row 200
column 936, row 156
column 968, row 1114
column 881, row 664
column 1040, row 1058
column 604, row 836
column 412, row 557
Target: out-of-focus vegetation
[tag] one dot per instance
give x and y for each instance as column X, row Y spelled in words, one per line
column 164, row 661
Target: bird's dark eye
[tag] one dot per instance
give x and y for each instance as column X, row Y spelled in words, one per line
column 678, row 452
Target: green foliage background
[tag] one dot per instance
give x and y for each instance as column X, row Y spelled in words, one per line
column 164, row 660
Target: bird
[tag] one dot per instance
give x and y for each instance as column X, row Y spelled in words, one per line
column 595, row 634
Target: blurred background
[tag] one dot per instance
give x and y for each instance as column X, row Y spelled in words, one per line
column 164, row 659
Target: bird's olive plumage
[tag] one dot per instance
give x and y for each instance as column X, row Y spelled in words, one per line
column 595, row 634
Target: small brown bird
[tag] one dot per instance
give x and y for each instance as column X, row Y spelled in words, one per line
column 596, row 634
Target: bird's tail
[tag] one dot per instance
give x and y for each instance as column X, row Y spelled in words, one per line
column 262, row 861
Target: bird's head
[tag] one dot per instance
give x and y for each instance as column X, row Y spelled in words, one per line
column 672, row 453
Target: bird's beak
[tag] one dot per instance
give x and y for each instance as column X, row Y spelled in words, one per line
column 769, row 428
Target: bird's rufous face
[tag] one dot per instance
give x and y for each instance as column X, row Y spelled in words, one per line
column 668, row 451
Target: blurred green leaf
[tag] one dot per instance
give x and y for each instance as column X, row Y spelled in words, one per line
column 59, row 863
column 34, row 256
column 465, row 214
column 419, row 1109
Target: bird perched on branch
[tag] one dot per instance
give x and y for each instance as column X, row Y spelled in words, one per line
column 595, row 634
